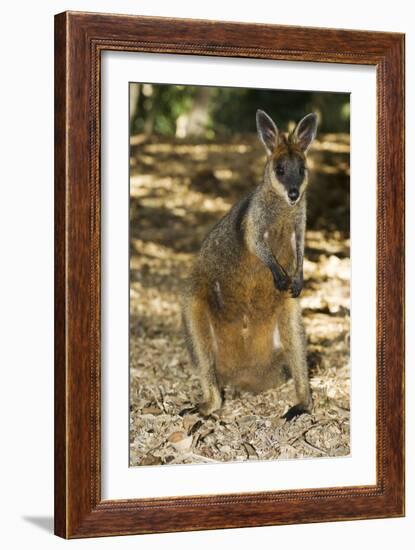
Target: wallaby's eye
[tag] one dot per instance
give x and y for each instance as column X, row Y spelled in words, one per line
column 280, row 170
column 302, row 170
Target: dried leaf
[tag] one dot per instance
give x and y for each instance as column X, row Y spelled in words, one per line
column 150, row 460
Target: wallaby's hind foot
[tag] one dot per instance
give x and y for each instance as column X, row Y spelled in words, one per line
column 206, row 408
column 212, row 398
column 188, row 410
column 293, row 339
column 293, row 412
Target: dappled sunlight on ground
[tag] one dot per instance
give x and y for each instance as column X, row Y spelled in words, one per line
column 178, row 191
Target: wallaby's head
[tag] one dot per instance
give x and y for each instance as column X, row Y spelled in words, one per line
column 286, row 166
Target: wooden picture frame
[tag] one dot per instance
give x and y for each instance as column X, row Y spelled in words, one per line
column 79, row 40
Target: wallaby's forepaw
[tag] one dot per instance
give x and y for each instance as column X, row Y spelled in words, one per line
column 295, row 411
column 281, row 281
column 296, row 286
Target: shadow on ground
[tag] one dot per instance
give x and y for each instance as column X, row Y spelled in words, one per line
column 43, row 522
column 178, row 191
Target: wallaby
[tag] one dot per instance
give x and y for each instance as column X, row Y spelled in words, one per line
column 240, row 306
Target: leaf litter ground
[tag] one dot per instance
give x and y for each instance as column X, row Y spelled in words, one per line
column 178, row 190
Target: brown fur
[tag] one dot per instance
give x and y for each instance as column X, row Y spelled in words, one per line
column 232, row 307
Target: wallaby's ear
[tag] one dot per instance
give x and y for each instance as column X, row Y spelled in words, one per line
column 306, row 131
column 267, row 131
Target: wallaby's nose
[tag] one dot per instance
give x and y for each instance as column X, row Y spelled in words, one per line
column 293, row 194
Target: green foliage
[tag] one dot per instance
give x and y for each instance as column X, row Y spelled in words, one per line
column 159, row 106
column 225, row 111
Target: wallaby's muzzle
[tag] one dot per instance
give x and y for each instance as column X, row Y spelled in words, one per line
column 293, row 194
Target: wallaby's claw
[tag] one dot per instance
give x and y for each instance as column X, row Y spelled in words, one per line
column 189, row 410
column 296, row 287
column 203, row 409
column 282, row 282
column 294, row 411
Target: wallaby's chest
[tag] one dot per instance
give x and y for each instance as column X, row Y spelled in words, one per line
column 283, row 245
column 249, row 289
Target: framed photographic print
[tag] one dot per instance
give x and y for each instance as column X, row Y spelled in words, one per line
column 229, row 275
